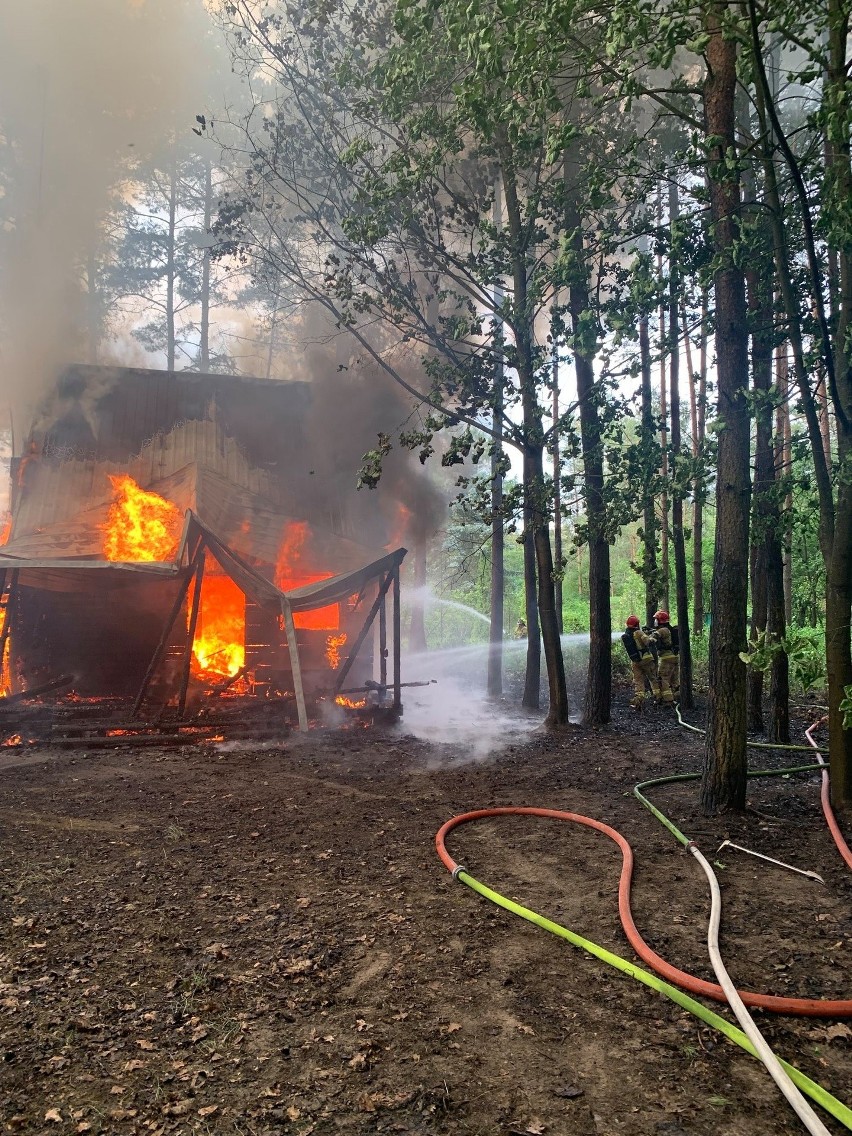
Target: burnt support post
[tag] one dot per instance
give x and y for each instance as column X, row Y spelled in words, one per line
column 295, row 663
column 378, row 604
column 9, row 612
column 157, row 657
column 190, row 635
column 397, row 644
column 383, row 642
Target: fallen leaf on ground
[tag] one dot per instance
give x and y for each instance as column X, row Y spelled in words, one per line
column 568, row 1092
column 52, row 1115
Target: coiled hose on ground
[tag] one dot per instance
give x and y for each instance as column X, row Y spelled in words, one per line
column 790, row 1080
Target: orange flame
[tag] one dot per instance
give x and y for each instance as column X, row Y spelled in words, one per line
column 219, row 647
column 332, row 649
column 6, row 529
column 350, row 703
column 140, row 525
column 290, row 572
column 14, row 740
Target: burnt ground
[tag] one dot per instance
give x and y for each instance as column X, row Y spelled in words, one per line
column 233, row 939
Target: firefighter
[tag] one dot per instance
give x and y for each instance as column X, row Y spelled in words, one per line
column 638, row 647
column 665, row 637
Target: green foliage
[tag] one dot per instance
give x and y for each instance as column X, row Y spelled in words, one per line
column 846, row 708
column 805, row 650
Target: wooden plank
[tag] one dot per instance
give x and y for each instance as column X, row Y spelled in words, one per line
column 295, row 664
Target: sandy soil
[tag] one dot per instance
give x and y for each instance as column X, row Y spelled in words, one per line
column 234, row 939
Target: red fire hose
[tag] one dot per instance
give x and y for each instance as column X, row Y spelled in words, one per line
column 805, row 1007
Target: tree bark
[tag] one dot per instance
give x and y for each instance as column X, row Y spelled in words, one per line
column 171, row 271
column 598, row 699
column 650, row 570
column 678, row 541
column 557, row 495
column 697, row 405
column 723, row 783
column 498, row 582
column 204, row 321
column 532, row 672
column 536, row 502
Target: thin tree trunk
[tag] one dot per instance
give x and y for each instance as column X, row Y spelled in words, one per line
column 557, row 494
column 532, row 672
column 598, row 698
column 650, row 570
column 204, row 322
column 723, row 783
column 665, row 580
column 761, row 366
column 783, row 460
column 498, row 583
column 171, row 271
column 685, row 649
column 697, row 403
column 537, row 503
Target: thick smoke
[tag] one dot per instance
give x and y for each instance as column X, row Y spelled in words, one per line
column 86, row 88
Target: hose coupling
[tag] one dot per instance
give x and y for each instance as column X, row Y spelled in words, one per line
column 458, row 868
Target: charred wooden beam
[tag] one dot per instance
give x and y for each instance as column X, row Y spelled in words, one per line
column 36, row 691
column 160, row 650
column 193, row 624
column 362, row 634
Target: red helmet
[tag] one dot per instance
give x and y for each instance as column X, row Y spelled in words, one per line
column 633, row 621
column 661, row 616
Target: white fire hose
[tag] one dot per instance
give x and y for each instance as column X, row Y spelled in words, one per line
column 800, row 1106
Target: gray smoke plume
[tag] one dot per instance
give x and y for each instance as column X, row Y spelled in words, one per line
column 85, row 87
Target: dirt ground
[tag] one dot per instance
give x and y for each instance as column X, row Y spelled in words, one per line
column 236, row 939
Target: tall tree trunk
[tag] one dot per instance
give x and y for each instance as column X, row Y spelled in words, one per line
column 171, row 271
column 698, row 405
column 783, row 462
column 761, row 366
column 681, row 593
column 557, row 494
column 204, row 321
column 665, row 566
column 532, row 672
column 723, row 783
column 498, row 584
column 650, row 570
column 835, row 515
column 598, row 700
column 536, row 501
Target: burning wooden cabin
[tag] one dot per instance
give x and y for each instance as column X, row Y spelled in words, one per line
column 173, row 533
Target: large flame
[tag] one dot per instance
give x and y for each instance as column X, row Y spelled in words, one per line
column 220, row 635
column 332, row 649
column 5, row 529
column 292, row 572
column 140, row 525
